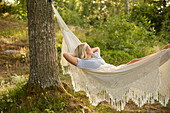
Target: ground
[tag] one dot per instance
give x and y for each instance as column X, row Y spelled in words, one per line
column 14, row 66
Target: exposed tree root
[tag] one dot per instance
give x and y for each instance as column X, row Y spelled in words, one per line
column 62, row 89
column 34, row 89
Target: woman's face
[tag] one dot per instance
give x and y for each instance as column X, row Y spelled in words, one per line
column 89, row 50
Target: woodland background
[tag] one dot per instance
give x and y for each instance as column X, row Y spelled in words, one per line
column 122, row 29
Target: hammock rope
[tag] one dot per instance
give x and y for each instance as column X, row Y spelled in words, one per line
column 140, row 81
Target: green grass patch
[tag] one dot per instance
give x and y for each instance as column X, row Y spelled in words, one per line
column 50, row 101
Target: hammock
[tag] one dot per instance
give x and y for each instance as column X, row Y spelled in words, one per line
column 140, row 81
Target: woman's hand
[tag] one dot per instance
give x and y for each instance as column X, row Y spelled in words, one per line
column 96, row 49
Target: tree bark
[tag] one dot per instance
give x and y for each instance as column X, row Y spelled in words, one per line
column 144, row 1
column 100, row 8
column 164, row 3
column 127, row 5
column 42, row 44
column 116, row 5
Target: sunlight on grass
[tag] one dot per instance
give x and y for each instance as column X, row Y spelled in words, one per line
column 14, row 33
column 48, row 101
column 11, row 83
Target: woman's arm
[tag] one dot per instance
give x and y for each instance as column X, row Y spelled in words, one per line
column 96, row 49
column 71, row 58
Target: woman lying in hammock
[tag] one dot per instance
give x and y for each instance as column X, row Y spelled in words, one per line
column 87, row 57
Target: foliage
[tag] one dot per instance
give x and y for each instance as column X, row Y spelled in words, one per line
column 18, row 8
column 120, row 37
column 21, row 9
column 121, row 41
column 6, row 7
column 152, row 16
column 165, row 29
column 18, row 100
column 89, row 12
column 71, row 17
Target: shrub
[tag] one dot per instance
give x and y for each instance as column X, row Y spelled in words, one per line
column 121, row 41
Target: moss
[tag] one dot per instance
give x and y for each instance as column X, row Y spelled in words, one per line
column 37, row 99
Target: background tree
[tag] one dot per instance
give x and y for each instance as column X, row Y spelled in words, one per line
column 42, row 44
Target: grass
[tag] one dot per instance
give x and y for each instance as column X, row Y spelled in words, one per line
column 14, row 73
column 19, row 101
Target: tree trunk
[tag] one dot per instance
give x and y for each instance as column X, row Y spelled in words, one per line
column 127, row 2
column 42, row 44
column 116, row 5
column 100, row 8
column 164, row 3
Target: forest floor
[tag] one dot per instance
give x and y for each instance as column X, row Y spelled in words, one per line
column 14, row 67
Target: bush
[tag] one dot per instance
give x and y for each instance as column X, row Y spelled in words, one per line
column 6, row 7
column 71, row 17
column 165, row 30
column 153, row 16
column 121, row 41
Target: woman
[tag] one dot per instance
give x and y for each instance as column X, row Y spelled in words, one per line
column 87, row 57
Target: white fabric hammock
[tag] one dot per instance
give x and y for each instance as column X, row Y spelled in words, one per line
column 140, row 81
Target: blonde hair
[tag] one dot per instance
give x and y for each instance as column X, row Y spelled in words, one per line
column 80, row 51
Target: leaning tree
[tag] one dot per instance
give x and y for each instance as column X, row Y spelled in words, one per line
column 44, row 70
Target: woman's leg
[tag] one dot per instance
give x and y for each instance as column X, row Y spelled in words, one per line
column 133, row 61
